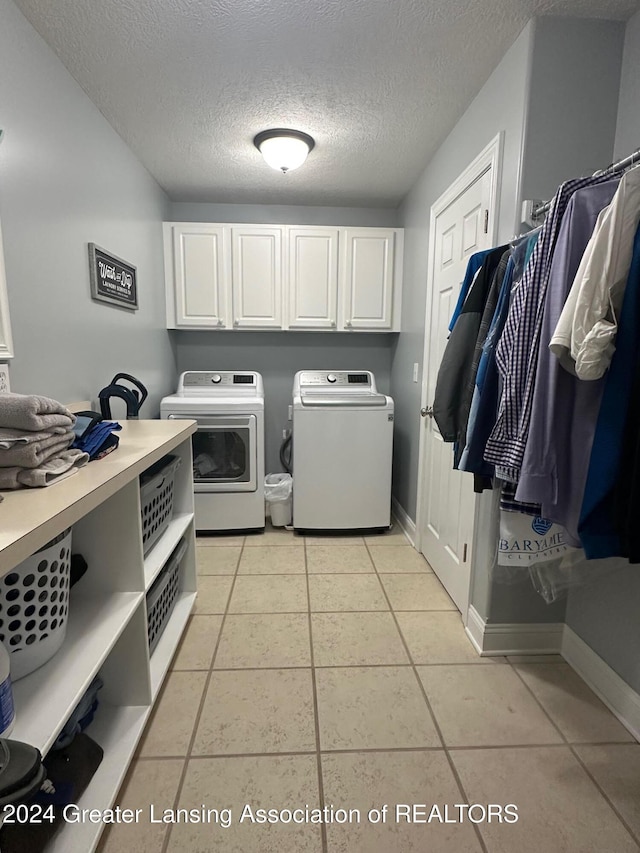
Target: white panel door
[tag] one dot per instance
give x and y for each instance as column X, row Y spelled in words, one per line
column 367, row 277
column 447, row 511
column 313, row 278
column 200, row 259
column 257, row 277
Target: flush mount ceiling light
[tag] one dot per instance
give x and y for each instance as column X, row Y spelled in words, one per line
column 284, row 150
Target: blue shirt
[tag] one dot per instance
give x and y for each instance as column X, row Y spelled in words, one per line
column 473, row 265
column 597, row 527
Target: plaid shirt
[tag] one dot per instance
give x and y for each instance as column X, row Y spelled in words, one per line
column 517, row 350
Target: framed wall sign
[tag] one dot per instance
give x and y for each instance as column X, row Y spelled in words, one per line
column 112, row 279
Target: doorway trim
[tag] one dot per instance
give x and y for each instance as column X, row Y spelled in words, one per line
column 489, row 158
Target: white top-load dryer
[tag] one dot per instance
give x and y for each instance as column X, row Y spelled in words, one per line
column 342, row 451
column 228, row 447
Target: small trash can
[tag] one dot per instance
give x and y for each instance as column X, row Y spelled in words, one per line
column 278, row 489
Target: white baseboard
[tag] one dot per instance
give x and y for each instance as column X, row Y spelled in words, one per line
column 513, row 638
column 616, row 694
column 406, row 523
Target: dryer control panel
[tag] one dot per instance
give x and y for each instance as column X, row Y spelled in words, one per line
column 218, row 384
column 208, row 379
column 336, row 378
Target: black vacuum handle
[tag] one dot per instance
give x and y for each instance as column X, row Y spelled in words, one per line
column 134, row 381
column 130, row 398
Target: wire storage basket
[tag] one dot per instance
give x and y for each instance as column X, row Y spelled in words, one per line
column 156, row 499
column 162, row 596
column 34, row 606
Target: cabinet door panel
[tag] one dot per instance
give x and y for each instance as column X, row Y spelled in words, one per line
column 257, row 277
column 199, row 269
column 367, row 278
column 313, row 278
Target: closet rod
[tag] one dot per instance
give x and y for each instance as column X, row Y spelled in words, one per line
column 540, row 211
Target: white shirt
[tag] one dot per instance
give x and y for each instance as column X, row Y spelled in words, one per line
column 584, row 338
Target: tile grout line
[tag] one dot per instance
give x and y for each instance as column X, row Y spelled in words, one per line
column 316, row 715
column 452, row 766
column 299, row 574
column 167, row 837
column 340, row 665
column 570, row 746
column 371, row 750
column 279, row 612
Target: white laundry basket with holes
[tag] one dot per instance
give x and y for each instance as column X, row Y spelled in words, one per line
column 162, row 596
column 34, row 606
column 156, row 499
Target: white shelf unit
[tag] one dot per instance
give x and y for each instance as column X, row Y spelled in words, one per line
column 107, row 628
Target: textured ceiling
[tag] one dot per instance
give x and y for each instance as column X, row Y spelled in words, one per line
column 377, row 83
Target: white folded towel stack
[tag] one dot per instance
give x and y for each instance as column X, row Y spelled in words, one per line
column 35, row 436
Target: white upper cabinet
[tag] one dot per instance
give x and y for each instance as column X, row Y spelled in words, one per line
column 200, row 260
column 232, row 276
column 257, row 277
column 313, row 278
column 369, row 270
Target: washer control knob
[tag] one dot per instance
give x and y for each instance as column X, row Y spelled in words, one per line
column 216, row 378
column 331, row 377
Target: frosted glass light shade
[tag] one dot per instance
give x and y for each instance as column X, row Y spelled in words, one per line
column 284, row 150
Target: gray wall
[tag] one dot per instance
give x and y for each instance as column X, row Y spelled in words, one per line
column 569, row 131
column 628, row 125
column 280, row 214
column 277, row 356
column 573, row 101
column 66, row 179
column 498, row 107
column 554, row 96
column 605, row 614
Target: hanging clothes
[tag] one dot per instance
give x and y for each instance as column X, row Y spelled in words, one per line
column 597, row 527
column 539, row 384
column 482, row 415
column 517, row 352
column 586, row 331
column 452, row 398
column 473, row 265
column 564, row 409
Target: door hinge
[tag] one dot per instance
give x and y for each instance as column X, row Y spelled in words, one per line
column 486, row 221
column 464, row 553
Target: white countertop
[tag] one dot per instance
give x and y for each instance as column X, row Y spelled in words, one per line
column 29, row 518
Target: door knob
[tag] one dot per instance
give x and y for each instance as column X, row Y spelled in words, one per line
column 427, row 412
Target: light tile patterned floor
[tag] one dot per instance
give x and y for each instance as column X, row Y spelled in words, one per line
column 336, row 672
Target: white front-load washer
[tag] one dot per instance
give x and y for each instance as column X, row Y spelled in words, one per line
column 342, row 451
column 228, row 446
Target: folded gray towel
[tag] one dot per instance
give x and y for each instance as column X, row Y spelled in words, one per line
column 35, row 453
column 33, row 413
column 61, row 466
column 12, row 437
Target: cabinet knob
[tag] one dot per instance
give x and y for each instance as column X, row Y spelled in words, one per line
column 333, row 324
column 236, row 322
column 220, row 322
column 348, row 324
